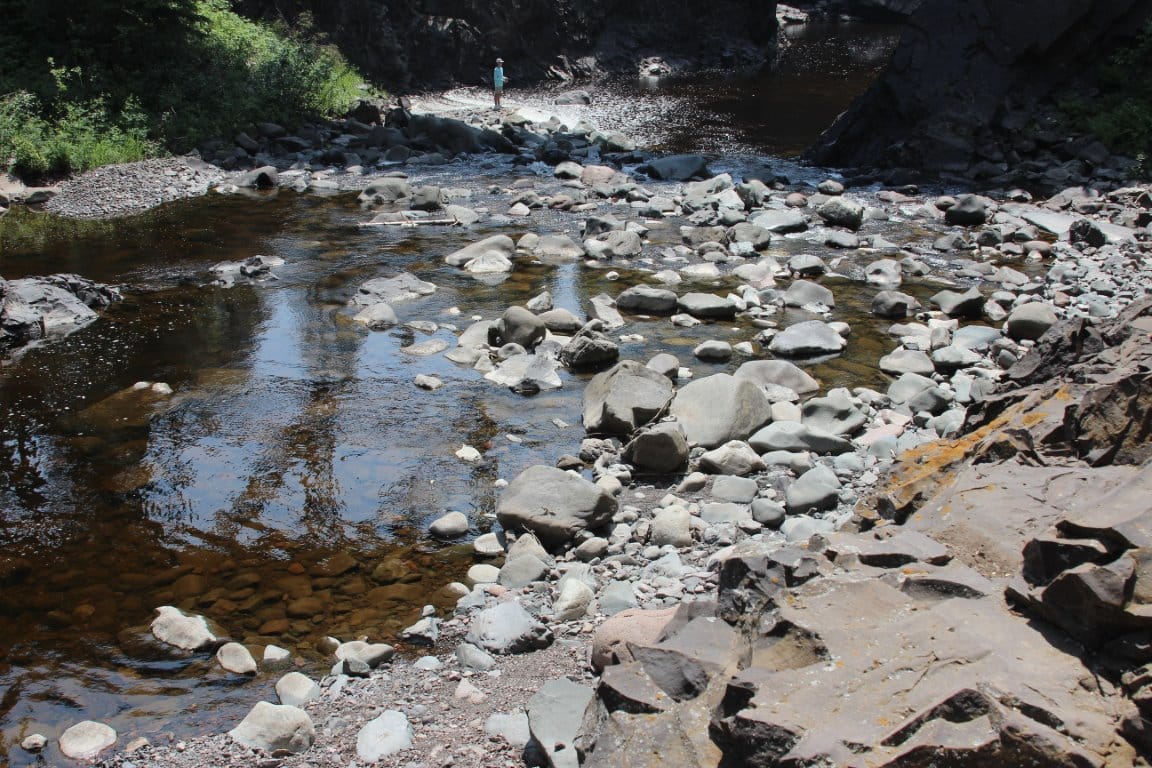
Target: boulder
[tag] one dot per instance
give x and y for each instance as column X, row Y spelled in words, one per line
column 518, row 326
column 661, row 448
column 778, row 373
column 1030, row 321
column 387, row 190
column 969, row 211
column 554, row 504
column 782, row 222
column 618, row 244
column 678, row 167
column 85, row 740
column 804, row 292
column 969, row 304
column 558, row 715
column 501, row 244
column 810, row 338
column 795, row 437
column 720, row 408
column 707, row 306
column 272, row 727
column 190, row 633
column 295, row 688
column 644, row 299
column 734, row 458
column 384, row 736
column 842, row 212
column 507, row 628
column 895, row 305
column 626, row 397
column 817, row 490
column 237, row 659
column 391, row 290
column 377, row 316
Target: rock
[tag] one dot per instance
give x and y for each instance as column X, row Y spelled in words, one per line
column 644, row 299
column 387, row 190
column 560, row 320
column 558, row 715
column 371, row 654
column 554, row 504
column 713, row 350
column 661, row 448
column 807, row 339
column 618, row 244
column 919, row 393
column 449, row 526
column 803, row 292
column 511, row 727
column 384, row 736
column 518, row 326
column 818, row 490
column 521, row 571
column 589, row 350
column 969, row 304
column 720, row 408
column 884, row 272
column 294, row 689
column 190, row 633
column 271, row 727
column 613, row 639
column 507, row 628
column 707, row 306
column 604, row 310
column 573, row 601
column 557, row 249
column 377, row 316
column 836, row 414
column 895, row 305
column 1030, row 321
column 86, row 740
column 265, row 177
column 489, row 263
column 237, row 659
column 471, row 657
column 391, row 290
column 780, row 373
column 782, row 222
column 842, row 212
column 795, row 437
column 671, row 526
column 807, row 265
column 969, row 211
column 501, row 244
column 678, row 168
column 624, row 398
column 616, row 597
column 907, row 361
column 735, row 457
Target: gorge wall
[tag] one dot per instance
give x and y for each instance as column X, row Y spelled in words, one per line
column 411, row 46
column 963, row 83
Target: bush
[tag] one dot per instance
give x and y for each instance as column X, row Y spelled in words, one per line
column 215, row 73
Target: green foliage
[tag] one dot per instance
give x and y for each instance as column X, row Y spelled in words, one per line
column 111, row 80
column 1122, row 114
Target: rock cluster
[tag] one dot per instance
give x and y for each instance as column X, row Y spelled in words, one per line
column 35, row 309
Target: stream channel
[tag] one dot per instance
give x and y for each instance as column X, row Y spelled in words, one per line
column 284, row 489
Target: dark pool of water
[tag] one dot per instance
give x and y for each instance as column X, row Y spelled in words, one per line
column 285, row 488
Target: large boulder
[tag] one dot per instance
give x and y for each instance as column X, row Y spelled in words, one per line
column 720, row 408
column 842, row 212
column 626, row 397
column 678, row 168
column 781, row 373
column 554, row 504
column 271, row 727
column 646, row 299
column 508, row 628
column 810, row 338
column 391, row 290
column 501, row 244
column 661, row 448
column 190, row 633
column 518, row 326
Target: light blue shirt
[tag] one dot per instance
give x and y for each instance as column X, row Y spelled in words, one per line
column 498, row 77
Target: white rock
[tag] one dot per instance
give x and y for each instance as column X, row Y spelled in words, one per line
column 295, row 689
column 482, row 573
column 468, row 453
column 275, row 656
column 466, row 691
column 449, row 526
column 488, row 545
column 275, row 726
column 174, row 627
column 386, row 735
column 235, row 658
column 85, row 740
column 573, row 601
column 34, row 742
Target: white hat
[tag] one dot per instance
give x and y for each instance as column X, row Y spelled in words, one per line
column 499, row 61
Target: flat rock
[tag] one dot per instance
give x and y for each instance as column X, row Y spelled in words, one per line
column 270, row 727
column 86, row 740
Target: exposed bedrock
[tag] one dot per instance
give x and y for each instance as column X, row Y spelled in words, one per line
column 964, row 80
column 415, row 46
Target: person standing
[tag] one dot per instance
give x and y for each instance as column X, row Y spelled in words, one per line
column 498, row 82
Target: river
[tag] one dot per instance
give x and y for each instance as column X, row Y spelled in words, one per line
column 285, row 487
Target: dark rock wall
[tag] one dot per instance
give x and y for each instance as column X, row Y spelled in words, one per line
column 962, row 81
column 427, row 44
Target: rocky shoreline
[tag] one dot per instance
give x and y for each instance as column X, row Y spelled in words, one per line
column 733, row 583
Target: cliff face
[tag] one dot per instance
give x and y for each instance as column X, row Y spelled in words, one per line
column 962, row 80
column 428, row 44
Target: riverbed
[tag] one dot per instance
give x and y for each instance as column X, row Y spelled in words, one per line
column 296, row 465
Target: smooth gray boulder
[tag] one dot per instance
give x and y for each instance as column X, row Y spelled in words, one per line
column 661, row 448
column 554, row 504
column 451, row 525
column 782, row 222
column 969, row 304
column 810, row 338
column 919, row 393
column 779, row 373
column 377, row 316
column 836, row 414
column 707, row 306
column 803, row 292
column 678, row 167
column 387, row 190
column 624, row 398
column 501, row 244
column 270, row 727
column 747, row 232
column 518, row 326
column 521, row 571
column 817, row 490
column 795, row 437
column 907, row 361
column 734, row 458
column 895, row 305
column 236, row 658
column 1030, row 321
column 384, row 736
column 557, row 249
column 719, row 408
column 741, row 490
column 807, row 265
column 617, row 244
column 713, row 350
column 842, row 211
column 508, row 628
column 646, row 299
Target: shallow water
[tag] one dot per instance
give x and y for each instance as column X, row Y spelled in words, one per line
column 286, row 486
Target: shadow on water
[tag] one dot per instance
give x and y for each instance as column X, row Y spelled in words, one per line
column 285, row 487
